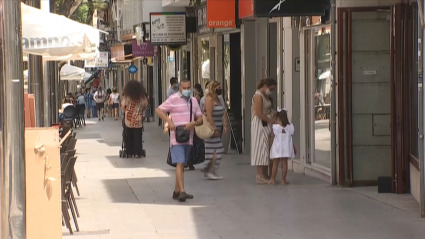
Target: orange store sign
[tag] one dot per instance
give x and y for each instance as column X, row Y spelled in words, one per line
column 246, row 8
column 221, row 14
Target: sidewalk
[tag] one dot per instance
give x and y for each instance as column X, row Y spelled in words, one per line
column 131, row 198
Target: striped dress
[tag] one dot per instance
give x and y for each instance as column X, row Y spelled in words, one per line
column 215, row 144
column 260, row 152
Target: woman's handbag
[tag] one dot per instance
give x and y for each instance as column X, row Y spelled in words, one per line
column 182, row 135
column 204, row 131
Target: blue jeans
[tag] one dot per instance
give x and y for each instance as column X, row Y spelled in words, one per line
column 93, row 111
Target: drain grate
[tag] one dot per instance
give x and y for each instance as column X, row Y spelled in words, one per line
column 87, row 233
column 88, row 136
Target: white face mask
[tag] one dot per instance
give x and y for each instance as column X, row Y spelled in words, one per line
column 268, row 92
column 206, row 91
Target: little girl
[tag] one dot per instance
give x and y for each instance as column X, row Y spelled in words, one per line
column 282, row 147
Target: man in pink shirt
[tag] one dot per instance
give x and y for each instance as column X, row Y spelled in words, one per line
column 178, row 105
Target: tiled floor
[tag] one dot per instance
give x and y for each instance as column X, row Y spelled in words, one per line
column 131, row 198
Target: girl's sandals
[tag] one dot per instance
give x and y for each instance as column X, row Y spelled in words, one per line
column 284, row 182
column 261, row 180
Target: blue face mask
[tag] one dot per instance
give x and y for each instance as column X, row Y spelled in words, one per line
column 186, row 93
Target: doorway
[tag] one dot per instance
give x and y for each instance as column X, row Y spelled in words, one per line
column 372, row 80
column 318, row 96
column 232, row 86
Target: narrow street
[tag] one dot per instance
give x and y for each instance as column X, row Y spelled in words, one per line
column 131, row 198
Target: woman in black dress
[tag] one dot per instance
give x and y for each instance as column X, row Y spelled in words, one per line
column 197, row 154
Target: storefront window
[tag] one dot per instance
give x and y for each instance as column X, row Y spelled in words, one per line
column 226, row 68
column 204, row 58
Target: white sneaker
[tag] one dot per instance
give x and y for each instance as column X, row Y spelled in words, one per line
column 211, row 176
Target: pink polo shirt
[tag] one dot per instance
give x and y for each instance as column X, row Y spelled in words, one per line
column 179, row 109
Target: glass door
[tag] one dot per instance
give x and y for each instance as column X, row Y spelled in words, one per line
column 318, row 95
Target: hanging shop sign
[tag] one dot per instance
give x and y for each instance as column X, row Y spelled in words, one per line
column 120, row 53
column 102, row 61
column 132, row 69
column 286, row 8
column 246, row 8
column 201, row 20
column 117, row 51
column 144, row 49
column 221, row 14
column 168, row 28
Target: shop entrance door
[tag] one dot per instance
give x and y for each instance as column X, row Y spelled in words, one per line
column 371, row 71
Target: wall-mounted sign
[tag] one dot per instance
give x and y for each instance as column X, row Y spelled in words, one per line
column 168, row 28
column 101, row 61
column 145, row 49
column 201, row 19
column 132, row 69
column 117, row 52
column 246, row 8
column 221, row 14
column 286, row 8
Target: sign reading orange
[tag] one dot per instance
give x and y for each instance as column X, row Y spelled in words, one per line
column 221, row 14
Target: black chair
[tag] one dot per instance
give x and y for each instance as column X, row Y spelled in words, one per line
column 67, row 195
column 69, row 113
column 80, row 118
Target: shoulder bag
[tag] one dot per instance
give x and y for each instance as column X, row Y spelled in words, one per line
column 183, row 136
column 204, row 131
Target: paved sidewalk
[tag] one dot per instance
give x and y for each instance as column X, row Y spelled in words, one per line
column 131, row 198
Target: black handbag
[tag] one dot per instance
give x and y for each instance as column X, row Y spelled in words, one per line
column 183, row 136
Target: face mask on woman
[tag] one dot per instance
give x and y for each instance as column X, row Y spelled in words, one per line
column 219, row 91
column 268, row 92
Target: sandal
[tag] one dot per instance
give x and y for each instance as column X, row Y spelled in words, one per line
column 284, row 182
column 272, row 182
column 261, row 180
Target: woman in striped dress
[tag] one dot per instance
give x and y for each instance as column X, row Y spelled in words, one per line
column 216, row 115
column 261, row 120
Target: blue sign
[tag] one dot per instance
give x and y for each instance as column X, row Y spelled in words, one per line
column 132, row 69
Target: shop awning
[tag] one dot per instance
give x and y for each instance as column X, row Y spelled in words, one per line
column 68, row 72
column 51, row 35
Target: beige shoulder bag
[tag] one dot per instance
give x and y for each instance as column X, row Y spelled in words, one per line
column 204, row 131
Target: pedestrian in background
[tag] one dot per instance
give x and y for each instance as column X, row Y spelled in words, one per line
column 282, row 147
column 100, row 97
column 133, row 105
column 215, row 111
column 261, row 121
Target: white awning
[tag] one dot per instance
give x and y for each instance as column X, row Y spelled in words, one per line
column 68, row 72
column 51, row 35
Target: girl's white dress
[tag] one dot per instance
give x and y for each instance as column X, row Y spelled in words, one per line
column 282, row 146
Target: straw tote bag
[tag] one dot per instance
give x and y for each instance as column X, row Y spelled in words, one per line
column 204, row 131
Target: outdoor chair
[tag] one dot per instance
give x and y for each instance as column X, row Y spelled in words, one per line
column 71, row 153
column 67, row 196
column 80, row 118
column 69, row 114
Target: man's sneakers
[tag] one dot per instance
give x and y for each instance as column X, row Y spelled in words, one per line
column 181, row 196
